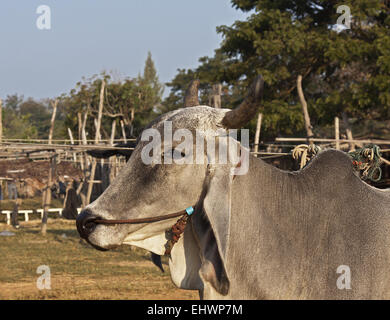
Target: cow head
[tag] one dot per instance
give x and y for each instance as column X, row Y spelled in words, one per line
column 153, row 189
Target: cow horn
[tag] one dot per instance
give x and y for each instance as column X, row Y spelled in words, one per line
column 191, row 98
column 238, row 117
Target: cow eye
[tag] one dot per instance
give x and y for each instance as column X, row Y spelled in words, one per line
column 175, row 154
column 178, row 154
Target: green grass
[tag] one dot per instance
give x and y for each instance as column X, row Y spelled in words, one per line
column 78, row 271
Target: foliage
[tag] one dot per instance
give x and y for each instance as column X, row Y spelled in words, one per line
column 131, row 100
column 344, row 70
column 15, row 123
column 30, row 119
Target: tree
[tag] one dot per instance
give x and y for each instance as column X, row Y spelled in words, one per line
column 343, row 71
column 149, row 94
column 150, row 78
column 15, row 124
column 38, row 116
column 131, row 100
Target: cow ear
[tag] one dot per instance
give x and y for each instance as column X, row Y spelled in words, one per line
column 211, row 225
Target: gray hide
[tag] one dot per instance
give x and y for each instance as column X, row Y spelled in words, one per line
column 287, row 233
column 268, row 234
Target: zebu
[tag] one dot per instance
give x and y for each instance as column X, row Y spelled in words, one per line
column 269, row 234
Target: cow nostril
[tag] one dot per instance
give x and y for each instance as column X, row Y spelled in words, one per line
column 85, row 223
column 89, row 225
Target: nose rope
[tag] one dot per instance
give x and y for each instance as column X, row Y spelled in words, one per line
column 173, row 233
column 176, row 230
column 187, row 211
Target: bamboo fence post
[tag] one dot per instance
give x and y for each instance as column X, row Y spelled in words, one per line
column 53, row 117
column 337, row 132
column 100, row 113
column 85, row 157
column 123, row 131
column 348, row 131
column 306, row 116
column 95, row 121
column 83, row 133
column 112, row 160
column 80, row 125
column 97, row 138
column 113, row 128
column 80, row 128
column 257, row 135
column 371, row 141
column 47, row 194
column 90, row 181
column 1, row 121
column 72, row 142
column 84, row 137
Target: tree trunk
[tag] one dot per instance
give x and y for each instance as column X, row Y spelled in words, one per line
column 95, row 121
column 306, row 116
column 53, row 117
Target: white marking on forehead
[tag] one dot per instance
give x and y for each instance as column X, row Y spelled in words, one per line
column 200, row 117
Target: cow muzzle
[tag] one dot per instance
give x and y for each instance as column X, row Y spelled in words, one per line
column 86, row 223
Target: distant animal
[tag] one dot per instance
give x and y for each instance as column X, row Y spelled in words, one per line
column 106, row 153
column 72, row 202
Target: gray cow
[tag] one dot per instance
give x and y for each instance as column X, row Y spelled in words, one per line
column 320, row 233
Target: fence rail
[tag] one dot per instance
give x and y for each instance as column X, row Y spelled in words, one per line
column 27, row 212
column 373, row 141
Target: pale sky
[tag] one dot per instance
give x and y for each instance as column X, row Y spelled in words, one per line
column 89, row 36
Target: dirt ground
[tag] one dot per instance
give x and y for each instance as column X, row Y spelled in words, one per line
column 77, row 271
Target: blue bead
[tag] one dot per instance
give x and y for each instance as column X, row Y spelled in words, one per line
column 190, row 210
